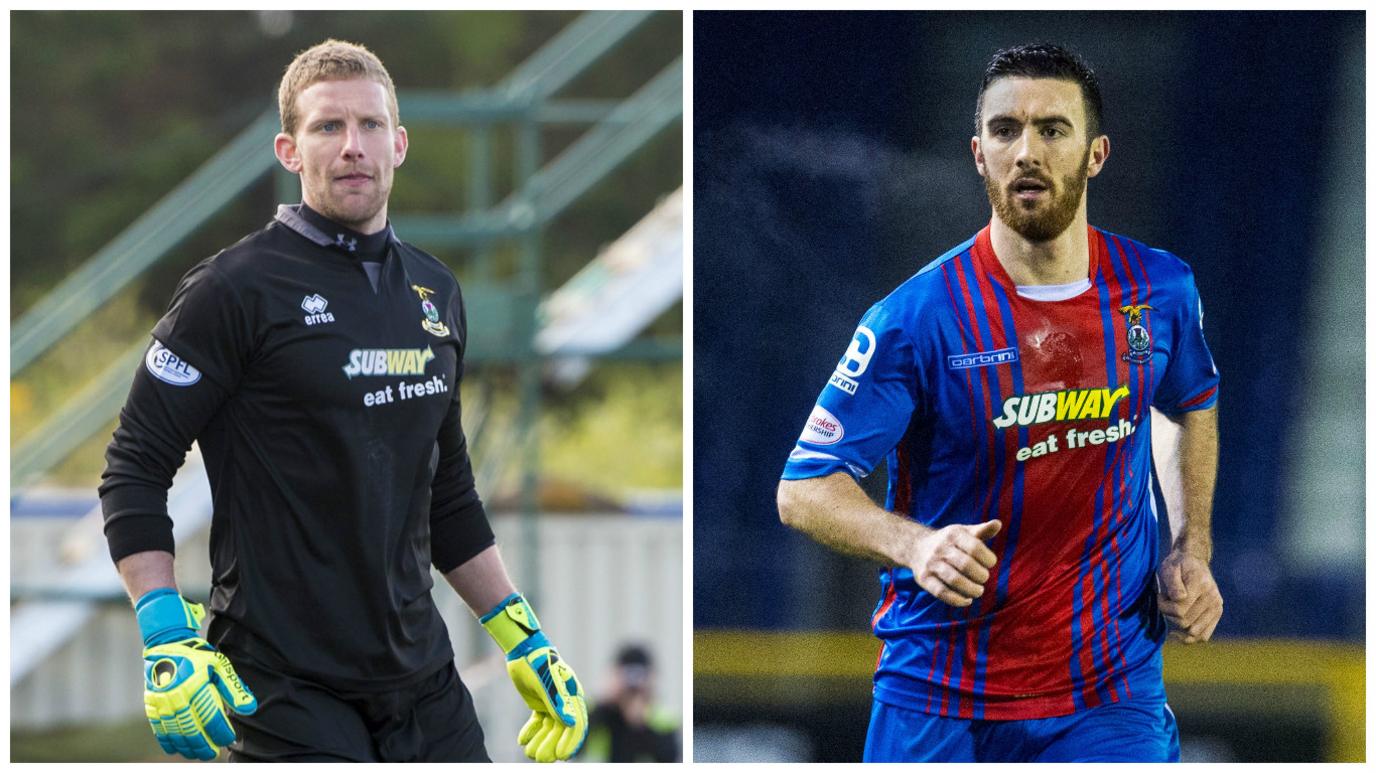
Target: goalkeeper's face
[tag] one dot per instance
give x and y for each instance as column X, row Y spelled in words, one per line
column 345, row 149
column 1034, row 154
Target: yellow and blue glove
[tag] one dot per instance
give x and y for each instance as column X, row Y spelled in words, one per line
column 187, row 682
column 558, row 722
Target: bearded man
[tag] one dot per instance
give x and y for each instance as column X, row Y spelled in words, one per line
column 317, row 362
column 1011, row 385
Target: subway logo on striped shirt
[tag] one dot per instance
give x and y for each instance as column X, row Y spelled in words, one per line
column 1063, row 405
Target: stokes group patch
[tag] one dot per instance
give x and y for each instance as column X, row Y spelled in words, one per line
column 823, row 428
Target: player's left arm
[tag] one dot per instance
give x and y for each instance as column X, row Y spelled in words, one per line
column 1186, row 451
column 558, row 722
column 464, row 550
column 481, row 581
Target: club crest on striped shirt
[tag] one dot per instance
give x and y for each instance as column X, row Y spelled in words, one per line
column 1139, row 339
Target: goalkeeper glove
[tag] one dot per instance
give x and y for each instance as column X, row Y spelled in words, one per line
column 186, row 681
column 558, row 721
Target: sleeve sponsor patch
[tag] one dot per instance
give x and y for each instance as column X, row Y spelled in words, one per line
column 854, row 362
column 822, row 428
column 168, row 367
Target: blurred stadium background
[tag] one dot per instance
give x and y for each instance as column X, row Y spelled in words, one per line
column 545, row 168
column 832, row 160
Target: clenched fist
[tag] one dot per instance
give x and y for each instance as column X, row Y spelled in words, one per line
column 1189, row 597
column 953, row 563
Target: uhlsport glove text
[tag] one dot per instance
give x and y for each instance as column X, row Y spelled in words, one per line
column 186, row 681
column 558, row 721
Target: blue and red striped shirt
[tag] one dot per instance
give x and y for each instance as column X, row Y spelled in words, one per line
column 988, row 404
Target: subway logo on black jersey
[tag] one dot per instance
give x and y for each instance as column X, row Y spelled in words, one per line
column 388, row 362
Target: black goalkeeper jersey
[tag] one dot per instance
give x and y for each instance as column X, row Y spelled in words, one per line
column 326, row 405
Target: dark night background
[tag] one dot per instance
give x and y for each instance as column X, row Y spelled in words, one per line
column 832, row 161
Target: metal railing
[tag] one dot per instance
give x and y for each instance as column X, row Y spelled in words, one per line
column 621, row 129
column 522, row 99
column 518, row 97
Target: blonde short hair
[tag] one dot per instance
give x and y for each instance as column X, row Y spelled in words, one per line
column 333, row 60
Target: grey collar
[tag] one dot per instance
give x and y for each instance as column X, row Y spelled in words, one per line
column 288, row 216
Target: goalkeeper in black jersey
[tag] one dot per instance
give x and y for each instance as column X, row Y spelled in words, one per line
column 317, row 362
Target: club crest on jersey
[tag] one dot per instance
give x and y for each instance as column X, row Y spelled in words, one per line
column 1139, row 339
column 431, row 323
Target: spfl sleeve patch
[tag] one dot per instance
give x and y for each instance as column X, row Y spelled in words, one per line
column 168, row 367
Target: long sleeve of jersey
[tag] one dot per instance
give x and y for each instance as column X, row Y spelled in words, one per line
column 459, row 529
column 190, row 368
column 321, row 387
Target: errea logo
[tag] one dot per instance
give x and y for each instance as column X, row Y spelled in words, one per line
column 314, row 306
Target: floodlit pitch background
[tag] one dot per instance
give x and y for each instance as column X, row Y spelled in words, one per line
column 832, row 160
column 544, row 168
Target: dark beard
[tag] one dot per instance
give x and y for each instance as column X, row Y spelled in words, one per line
column 1054, row 220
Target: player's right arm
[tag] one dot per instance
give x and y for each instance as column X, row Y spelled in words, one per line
column 951, row 563
column 192, row 365
column 860, row 416
column 190, row 369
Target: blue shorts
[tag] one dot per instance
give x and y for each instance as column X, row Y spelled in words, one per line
column 1126, row 731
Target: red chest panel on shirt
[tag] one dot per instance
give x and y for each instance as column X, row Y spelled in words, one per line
column 1060, row 345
